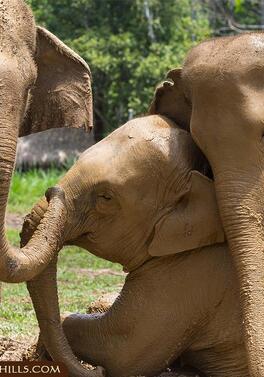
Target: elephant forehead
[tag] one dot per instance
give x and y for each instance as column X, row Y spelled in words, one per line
column 136, row 134
column 119, row 162
column 141, row 141
column 150, row 135
column 145, row 149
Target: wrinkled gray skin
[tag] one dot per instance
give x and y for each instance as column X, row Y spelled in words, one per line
column 139, row 198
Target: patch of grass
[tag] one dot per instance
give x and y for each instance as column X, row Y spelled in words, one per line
column 77, row 289
column 78, row 286
column 13, row 237
column 28, row 187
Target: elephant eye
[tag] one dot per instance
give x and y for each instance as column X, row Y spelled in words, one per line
column 106, row 203
column 105, row 197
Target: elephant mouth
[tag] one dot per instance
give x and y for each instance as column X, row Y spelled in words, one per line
column 85, row 236
column 81, row 240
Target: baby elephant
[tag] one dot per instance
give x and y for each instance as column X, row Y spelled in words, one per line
column 140, row 198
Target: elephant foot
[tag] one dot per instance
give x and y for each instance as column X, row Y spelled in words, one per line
column 174, row 374
column 41, row 354
column 180, row 373
column 97, row 372
column 176, row 370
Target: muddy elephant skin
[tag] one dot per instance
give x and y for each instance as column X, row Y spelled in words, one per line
column 43, row 84
column 137, row 198
column 181, row 306
column 219, row 93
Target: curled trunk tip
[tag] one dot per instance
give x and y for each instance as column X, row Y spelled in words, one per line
column 40, row 243
column 53, row 192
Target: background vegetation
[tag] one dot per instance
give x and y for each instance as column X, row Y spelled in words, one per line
column 131, row 44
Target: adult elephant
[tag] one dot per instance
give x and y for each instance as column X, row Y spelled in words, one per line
column 220, row 92
column 43, row 84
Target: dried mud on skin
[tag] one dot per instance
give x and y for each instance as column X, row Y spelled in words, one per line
column 25, row 350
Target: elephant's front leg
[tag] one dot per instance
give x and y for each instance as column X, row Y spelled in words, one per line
column 89, row 336
column 97, row 339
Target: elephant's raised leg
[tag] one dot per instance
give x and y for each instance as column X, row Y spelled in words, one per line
column 122, row 353
column 145, row 330
column 168, row 306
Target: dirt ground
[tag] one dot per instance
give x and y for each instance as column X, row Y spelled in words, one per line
column 14, row 220
column 25, row 350
column 16, row 350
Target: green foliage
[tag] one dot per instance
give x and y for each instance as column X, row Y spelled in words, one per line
column 27, row 188
column 128, row 51
column 238, row 5
column 235, row 16
column 248, row 12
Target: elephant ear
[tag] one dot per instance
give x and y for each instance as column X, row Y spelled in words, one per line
column 169, row 100
column 62, row 95
column 194, row 222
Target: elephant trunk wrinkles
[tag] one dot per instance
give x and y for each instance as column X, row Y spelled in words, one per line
column 44, row 295
column 241, row 204
column 32, row 221
column 20, row 265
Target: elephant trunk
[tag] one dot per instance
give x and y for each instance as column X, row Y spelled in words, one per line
column 32, row 220
column 44, row 295
column 241, row 204
column 21, row 265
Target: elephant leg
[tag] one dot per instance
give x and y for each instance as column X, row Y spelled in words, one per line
column 147, row 328
column 78, row 327
column 219, row 361
column 122, row 354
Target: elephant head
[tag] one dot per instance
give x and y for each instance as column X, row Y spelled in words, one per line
column 222, row 83
column 128, row 198
column 43, row 84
